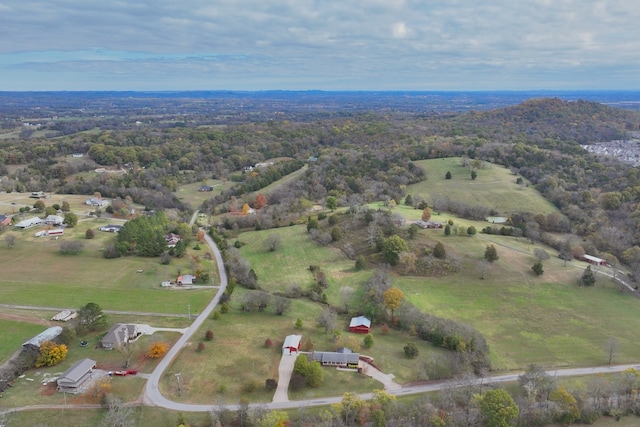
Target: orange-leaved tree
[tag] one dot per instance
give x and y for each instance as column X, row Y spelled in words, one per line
column 157, row 350
column 51, row 354
column 260, row 201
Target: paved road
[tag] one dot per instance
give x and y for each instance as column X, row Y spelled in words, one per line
column 152, row 395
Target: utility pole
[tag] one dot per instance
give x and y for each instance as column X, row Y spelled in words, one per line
column 189, row 308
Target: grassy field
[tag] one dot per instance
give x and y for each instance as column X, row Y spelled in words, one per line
column 189, row 192
column 495, row 187
column 526, row 319
column 14, row 333
column 290, row 263
column 35, row 273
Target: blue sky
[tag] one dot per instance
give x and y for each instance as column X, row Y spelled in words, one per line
column 319, row 44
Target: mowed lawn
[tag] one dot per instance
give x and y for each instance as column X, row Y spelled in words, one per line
column 495, row 187
column 14, row 334
column 35, row 273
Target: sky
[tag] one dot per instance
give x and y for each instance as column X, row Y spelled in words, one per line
column 438, row 45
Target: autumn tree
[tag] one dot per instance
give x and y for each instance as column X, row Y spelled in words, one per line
column 260, row 201
column 200, row 236
column 245, row 209
column 567, row 405
column 407, row 260
column 392, row 298
column 157, row 350
column 51, row 354
column 89, row 234
column 426, row 214
column 65, row 206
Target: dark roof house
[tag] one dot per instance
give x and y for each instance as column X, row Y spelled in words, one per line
column 74, row 377
column 331, row 358
column 119, row 334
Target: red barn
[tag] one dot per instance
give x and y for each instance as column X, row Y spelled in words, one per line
column 291, row 344
column 360, row 325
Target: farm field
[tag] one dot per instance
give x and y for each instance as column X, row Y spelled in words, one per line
column 207, row 377
column 526, row 319
column 290, row 263
column 35, row 273
column 495, row 187
column 189, row 192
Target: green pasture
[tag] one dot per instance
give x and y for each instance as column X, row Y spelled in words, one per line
column 284, row 180
column 495, row 187
column 547, row 320
column 290, row 263
column 14, row 334
column 35, row 273
column 526, row 319
column 190, row 193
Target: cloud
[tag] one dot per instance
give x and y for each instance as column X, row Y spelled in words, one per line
column 316, row 43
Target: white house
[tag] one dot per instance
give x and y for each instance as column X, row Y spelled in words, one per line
column 94, row 201
column 54, row 220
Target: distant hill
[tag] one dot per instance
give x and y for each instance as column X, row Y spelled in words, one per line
column 579, row 121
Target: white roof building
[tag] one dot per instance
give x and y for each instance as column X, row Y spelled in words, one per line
column 29, row 222
column 47, row 335
column 54, row 219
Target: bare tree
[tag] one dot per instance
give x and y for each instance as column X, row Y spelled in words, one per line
column 327, row 320
column 346, row 294
column 10, row 240
column 273, row 242
column 541, row 254
column 482, row 267
column 118, row 415
column 281, row 305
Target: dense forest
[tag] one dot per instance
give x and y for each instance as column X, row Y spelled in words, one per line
column 357, row 157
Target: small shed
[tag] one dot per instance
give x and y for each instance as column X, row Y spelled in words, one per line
column 73, row 378
column 593, row 260
column 360, row 325
column 186, row 279
column 5, row 220
column 291, row 344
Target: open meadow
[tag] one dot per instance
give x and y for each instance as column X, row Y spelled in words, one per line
column 526, row 319
column 494, row 188
column 35, row 273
